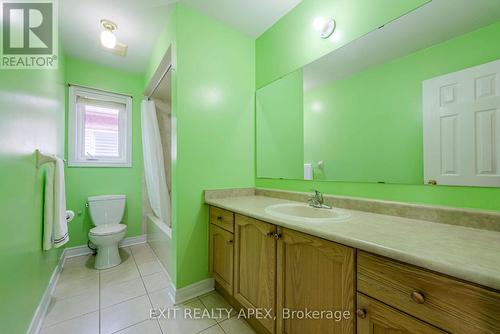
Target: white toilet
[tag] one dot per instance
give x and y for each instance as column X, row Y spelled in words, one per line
column 106, row 213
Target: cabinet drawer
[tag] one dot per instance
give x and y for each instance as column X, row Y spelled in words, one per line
column 447, row 303
column 377, row 318
column 222, row 218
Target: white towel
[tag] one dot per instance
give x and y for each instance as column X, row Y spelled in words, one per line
column 55, row 229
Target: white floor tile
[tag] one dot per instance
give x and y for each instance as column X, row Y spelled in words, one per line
column 68, row 286
column 85, row 324
column 121, row 273
column 161, row 299
column 68, row 308
column 142, row 253
column 185, row 324
column 114, row 293
column 217, row 305
column 213, row 330
column 145, row 327
column 85, row 261
column 236, row 326
column 156, row 281
column 149, row 267
column 78, row 272
column 120, row 316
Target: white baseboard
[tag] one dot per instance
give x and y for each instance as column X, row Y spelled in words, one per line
column 191, row 291
column 41, row 310
column 130, row 241
column 197, row 289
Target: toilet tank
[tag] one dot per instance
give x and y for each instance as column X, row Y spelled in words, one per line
column 106, row 209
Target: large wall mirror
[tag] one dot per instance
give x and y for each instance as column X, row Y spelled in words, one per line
column 386, row 107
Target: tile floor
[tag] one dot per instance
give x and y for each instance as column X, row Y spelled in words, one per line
column 119, row 300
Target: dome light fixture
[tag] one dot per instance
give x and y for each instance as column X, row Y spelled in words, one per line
column 327, row 29
column 324, row 27
column 108, row 38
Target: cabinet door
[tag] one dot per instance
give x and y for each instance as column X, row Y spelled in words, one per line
column 255, row 266
column 221, row 257
column 377, row 318
column 317, row 275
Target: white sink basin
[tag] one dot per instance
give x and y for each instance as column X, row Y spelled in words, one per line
column 305, row 213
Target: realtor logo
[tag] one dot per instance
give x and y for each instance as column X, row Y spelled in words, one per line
column 29, row 34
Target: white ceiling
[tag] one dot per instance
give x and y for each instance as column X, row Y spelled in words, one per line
column 139, row 24
column 428, row 25
column 141, row 21
column 251, row 17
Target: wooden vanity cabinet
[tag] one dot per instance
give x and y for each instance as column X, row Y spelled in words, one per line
column 255, row 267
column 262, row 266
column 314, row 274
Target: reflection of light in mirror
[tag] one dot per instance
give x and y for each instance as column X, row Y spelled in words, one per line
column 319, row 23
column 316, row 107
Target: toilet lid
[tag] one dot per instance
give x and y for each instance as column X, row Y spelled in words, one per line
column 108, row 229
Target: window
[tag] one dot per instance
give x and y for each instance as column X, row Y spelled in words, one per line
column 99, row 128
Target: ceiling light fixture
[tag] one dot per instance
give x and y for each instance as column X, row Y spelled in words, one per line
column 324, row 27
column 108, row 38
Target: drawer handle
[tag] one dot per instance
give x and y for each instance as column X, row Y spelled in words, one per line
column 219, row 217
column 418, row 297
column 361, row 313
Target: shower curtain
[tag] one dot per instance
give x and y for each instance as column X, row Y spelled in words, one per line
column 154, row 169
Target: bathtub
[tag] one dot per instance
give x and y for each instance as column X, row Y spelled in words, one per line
column 159, row 237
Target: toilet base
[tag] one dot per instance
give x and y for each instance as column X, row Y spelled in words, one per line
column 107, row 249
column 107, row 257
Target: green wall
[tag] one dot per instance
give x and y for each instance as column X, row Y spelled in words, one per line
column 280, row 128
column 293, row 41
column 82, row 182
column 214, row 120
column 404, row 76
column 31, row 117
column 212, row 126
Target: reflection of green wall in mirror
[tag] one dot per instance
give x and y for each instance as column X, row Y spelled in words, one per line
column 280, row 144
column 471, row 49
column 294, row 40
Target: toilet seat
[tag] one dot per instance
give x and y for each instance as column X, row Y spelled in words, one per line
column 107, row 229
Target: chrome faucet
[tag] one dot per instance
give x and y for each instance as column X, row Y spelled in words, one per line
column 316, row 200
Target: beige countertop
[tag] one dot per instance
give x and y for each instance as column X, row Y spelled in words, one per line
column 462, row 252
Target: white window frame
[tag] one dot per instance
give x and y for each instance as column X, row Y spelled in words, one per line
column 75, row 123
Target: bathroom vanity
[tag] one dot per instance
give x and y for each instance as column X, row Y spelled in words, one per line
column 381, row 273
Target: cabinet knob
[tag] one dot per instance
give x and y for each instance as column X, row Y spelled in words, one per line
column 417, row 297
column 277, row 236
column 219, row 217
column 361, row 313
column 230, row 241
column 270, row 234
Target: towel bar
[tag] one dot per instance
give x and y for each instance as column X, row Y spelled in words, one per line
column 44, row 158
